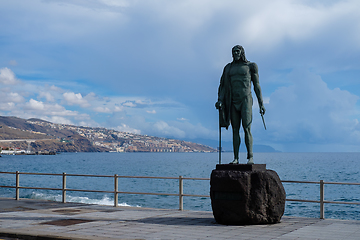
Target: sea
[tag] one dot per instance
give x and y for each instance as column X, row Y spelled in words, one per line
column 329, row 167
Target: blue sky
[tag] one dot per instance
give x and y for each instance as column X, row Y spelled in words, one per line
column 153, row 66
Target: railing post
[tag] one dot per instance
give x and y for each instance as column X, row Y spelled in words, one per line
column 17, row 195
column 64, row 188
column 116, row 185
column 322, row 210
column 181, row 193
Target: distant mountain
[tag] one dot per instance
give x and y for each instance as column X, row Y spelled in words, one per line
column 28, row 129
column 227, row 146
column 39, row 135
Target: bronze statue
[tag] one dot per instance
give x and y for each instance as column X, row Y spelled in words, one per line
column 235, row 100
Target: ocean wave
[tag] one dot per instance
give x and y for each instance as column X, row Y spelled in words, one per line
column 58, row 198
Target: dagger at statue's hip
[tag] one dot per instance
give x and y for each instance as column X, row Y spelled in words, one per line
column 262, row 116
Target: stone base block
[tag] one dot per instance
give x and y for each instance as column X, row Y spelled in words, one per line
column 244, row 194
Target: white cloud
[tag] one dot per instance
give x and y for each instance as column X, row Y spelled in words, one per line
column 58, row 119
column 75, row 99
column 55, row 88
column 116, row 3
column 34, row 105
column 118, row 109
column 58, row 110
column 7, row 106
column 151, row 111
column 293, row 20
column 7, row 76
column 47, row 95
column 48, row 111
column 186, row 15
column 195, row 130
column 129, row 104
column 172, row 129
column 274, row 22
column 166, row 130
column 11, row 97
column 88, row 122
column 308, row 111
column 266, row 100
column 102, row 109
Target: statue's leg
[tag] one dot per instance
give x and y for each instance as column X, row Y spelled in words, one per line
column 235, row 124
column 246, row 113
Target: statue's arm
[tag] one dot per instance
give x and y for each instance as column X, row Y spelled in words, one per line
column 257, row 88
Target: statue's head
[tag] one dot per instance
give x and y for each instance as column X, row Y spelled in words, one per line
column 238, row 53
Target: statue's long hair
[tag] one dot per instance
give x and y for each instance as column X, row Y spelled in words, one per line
column 242, row 55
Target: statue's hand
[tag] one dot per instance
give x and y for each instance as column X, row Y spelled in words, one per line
column 262, row 110
column 218, row 105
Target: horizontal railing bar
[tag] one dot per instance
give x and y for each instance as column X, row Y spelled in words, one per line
column 290, row 181
column 195, row 195
column 45, row 174
column 341, row 183
column 175, row 178
column 101, row 191
column 84, row 190
column 60, row 174
column 188, row 178
column 27, row 173
column 110, row 176
column 88, row 175
column 325, row 201
column 141, row 193
column 165, row 194
column 302, row 200
column 39, row 188
column 144, row 193
column 338, row 202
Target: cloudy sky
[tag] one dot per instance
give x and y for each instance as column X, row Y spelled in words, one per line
column 153, row 66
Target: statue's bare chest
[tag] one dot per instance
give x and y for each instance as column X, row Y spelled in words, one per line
column 240, row 80
column 240, row 76
column 239, row 71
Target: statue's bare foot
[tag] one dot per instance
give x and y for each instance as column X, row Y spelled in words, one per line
column 251, row 161
column 236, row 161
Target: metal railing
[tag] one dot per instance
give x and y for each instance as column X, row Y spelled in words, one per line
column 322, row 200
column 116, row 191
column 180, row 194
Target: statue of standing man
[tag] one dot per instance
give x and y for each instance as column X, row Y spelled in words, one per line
column 235, row 100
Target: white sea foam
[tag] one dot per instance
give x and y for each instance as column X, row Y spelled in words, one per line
column 58, row 198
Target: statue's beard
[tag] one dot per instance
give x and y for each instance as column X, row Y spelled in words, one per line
column 237, row 58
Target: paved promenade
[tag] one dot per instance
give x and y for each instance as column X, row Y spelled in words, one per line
column 35, row 219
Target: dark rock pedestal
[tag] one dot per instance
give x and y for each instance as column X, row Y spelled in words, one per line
column 246, row 194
